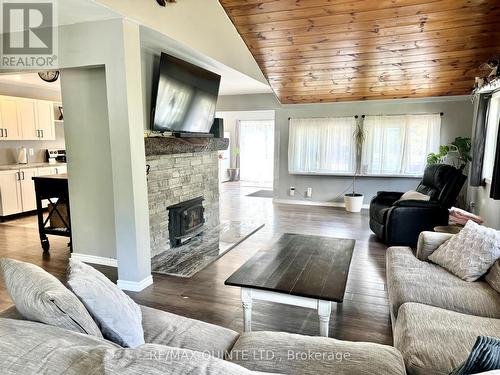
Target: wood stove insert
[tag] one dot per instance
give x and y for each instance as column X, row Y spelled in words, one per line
column 185, row 221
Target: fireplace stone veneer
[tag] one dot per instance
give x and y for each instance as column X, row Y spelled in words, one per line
column 176, row 178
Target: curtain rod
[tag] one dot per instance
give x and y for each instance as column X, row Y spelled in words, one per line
column 363, row 116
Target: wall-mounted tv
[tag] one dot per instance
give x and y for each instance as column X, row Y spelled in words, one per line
column 184, row 98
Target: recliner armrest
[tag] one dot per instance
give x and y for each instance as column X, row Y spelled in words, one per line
column 428, row 242
column 417, row 203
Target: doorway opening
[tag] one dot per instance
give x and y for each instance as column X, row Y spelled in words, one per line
column 256, row 152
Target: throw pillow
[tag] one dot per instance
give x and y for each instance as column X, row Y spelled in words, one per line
column 493, row 276
column 118, row 317
column 485, row 356
column 41, row 297
column 414, row 195
column 470, row 253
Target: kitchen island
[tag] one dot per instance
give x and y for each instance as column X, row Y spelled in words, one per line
column 53, row 188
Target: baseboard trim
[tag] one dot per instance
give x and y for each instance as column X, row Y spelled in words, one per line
column 95, row 259
column 135, row 286
column 313, row 203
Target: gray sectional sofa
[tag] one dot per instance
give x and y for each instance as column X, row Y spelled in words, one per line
column 436, row 319
column 178, row 345
column 436, row 316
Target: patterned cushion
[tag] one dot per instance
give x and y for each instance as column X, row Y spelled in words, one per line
column 493, row 276
column 118, row 317
column 428, row 242
column 31, row 348
column 411, row 280
column 470, row 253
column 303, row 355
column 40, row 297
column 434, row 340
column 414, row 195
column 161, row 327
column 484, row 356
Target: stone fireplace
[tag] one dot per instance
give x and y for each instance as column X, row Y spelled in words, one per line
column 181, row 170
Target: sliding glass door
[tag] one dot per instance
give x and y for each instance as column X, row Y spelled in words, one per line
column 256, row 152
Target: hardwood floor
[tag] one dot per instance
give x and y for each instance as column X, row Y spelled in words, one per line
column 363, row 316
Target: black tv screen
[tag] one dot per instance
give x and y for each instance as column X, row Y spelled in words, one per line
column 185, row 98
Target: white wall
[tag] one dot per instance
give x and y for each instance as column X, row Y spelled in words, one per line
column 113, row 45
column 90, row 188
column 457, row 121
column 486, row 207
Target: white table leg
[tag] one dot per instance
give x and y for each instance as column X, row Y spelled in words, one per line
column 324, row 310
column 246, row 300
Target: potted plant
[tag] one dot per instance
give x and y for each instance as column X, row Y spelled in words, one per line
column 354, row 201
column 234, row 173
column 460, row 148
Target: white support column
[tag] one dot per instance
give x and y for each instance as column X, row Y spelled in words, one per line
column 246, row 300
column 324, row 311
column 104, row 120
column 129, row 165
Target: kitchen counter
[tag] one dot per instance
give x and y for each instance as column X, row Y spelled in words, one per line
column 11, row 167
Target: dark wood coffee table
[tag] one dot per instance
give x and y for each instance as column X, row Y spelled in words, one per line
column 300, row 270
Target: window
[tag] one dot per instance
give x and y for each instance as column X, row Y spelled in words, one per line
column 399, row 145
column 257, row 151
column 322, row 146
column 491, row 136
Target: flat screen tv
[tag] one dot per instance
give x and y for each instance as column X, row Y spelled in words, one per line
column 184, row 98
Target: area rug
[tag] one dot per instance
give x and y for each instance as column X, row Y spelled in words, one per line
column 261, row 194
column 201, row 251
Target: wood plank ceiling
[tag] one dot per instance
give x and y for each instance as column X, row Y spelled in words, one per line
column 336, row 50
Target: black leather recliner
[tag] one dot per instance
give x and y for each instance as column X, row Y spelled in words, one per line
column 400, row 222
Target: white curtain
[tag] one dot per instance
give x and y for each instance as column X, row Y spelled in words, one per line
column 322, row 145
column 399, row 145
column 257, row 151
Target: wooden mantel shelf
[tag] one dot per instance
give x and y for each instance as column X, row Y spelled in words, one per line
column 170, row 145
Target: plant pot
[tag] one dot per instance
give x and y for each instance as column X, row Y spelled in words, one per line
column 353, row 202
column 234, row 174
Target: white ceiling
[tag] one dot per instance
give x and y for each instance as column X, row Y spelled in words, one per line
column 77, row 11
column 232, row 82
column 31, row 80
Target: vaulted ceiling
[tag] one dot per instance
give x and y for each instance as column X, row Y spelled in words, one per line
column 336, row 50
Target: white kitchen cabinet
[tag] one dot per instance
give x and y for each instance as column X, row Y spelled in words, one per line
column 28, row 197
column 26, row 113
column 9, row 124
column 17, row 188
column 10, row 193
column 45, row 120
column 26, row 119
column 45, row 171
column 61, row 170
